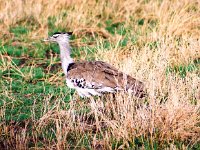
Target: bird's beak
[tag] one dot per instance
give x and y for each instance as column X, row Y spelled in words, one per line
column 50, row 39
column 46, row 40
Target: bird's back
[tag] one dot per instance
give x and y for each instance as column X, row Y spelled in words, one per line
column 99, row 77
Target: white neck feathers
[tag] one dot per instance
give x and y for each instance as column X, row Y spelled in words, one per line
column 65, row 55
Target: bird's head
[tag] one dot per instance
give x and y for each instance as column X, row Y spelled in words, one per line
column 59, row 37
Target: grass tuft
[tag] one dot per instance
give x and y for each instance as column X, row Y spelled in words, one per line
column 156, row 42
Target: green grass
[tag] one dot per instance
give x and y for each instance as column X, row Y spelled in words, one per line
column 28, row 89
column 32, row 83
column 19, row 30
column 182, row 70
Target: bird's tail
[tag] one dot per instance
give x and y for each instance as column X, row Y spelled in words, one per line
column 136, row 87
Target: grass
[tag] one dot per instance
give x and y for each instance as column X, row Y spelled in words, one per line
column 156, row 42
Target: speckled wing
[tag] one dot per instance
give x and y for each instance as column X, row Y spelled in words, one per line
column 98, row 74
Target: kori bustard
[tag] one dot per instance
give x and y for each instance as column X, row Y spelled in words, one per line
column 90, row 78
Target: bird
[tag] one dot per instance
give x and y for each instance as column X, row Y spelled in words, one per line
column 93, row 78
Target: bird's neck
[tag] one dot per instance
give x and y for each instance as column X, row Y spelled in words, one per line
column 65, row 56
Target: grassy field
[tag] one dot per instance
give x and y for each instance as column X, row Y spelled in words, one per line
column 155, row 41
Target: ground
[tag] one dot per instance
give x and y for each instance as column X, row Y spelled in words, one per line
column 155, row 41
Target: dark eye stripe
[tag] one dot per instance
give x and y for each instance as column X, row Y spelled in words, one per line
column 55, row 36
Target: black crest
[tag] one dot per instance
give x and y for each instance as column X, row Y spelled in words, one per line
column 69, row 33
column 58, row 33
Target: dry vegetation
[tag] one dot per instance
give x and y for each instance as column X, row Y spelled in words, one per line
column 156, row 41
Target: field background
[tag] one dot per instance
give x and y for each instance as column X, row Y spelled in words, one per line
column 155, row 41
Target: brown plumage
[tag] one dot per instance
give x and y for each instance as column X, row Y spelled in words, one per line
column 105, row 75
column 95, row 77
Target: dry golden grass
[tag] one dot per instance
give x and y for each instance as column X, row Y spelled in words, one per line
column 169, row 113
